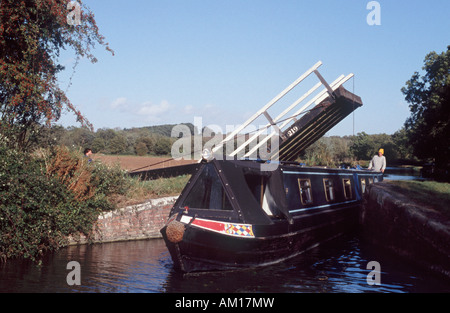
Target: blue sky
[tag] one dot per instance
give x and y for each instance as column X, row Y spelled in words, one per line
column 223, row 60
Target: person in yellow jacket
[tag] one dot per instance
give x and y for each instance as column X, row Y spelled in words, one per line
column 378, row 162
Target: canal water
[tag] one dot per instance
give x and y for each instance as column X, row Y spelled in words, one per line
column 338, row 266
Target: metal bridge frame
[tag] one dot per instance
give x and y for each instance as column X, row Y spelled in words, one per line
column 322, row 95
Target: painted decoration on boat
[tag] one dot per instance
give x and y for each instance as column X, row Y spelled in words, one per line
column 240, row 230
column 232, row 229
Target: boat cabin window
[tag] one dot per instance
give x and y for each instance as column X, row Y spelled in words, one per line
column 259, row 187
column 347, row 188
column 363, row 185
column 329, row 189
column 370, row 181
column 305, row 191
column 208, row 192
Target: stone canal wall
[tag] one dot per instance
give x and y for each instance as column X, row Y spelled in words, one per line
column 135, row 222
column 393, row 221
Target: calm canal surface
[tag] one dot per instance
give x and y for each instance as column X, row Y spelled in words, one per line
column 338, row 266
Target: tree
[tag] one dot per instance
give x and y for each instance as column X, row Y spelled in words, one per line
column 341, row 149
column 327, row 151
column 429, row 99
column 81, row 137
column 145, row 144
column 118, row 144
column 384, row 141
column 141, row 148
column 32, row 34
column 162, row 146
column 362, row 146
column 49, row 136
column 106, row 134
column 401, row 143
column 98, row 145
column 319, row 153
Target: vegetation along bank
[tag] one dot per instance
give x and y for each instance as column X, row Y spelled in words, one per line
column 53, row 193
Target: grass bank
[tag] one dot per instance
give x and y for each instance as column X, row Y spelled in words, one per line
column 140, row 191
column 430, row 194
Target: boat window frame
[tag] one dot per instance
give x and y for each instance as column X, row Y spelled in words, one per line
column 309, row 191
column 363, row 183
column 225, row 193
column 346, row 196
column 261, row 186
column 326, row 188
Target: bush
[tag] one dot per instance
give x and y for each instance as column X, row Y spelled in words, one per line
column 56, row 192
column 48, row 196
column 37, row 212
column 91, row 182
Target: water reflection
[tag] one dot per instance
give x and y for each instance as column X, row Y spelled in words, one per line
column 123, row 267
column 399, row 173
column 145, row 266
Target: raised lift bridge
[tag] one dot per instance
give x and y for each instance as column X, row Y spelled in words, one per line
column 296, row 131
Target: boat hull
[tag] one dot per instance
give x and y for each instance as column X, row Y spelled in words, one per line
column 202, row 249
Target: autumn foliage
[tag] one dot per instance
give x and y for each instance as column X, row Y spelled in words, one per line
column 44, row 199
column 73, row 172
column 32, row 34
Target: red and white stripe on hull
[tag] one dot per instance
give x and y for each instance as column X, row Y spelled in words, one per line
column 230, row 229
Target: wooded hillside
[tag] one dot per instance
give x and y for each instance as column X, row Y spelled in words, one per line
column 157, row 141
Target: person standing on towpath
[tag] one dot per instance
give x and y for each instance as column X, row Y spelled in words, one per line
column 378, row 162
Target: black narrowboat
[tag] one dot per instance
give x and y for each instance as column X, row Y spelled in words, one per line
column 236, row 214
column 232, row 215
